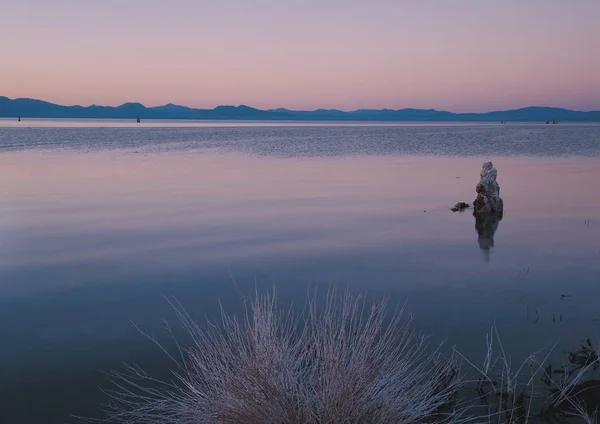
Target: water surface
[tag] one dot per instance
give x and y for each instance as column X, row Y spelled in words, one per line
column 97, row 224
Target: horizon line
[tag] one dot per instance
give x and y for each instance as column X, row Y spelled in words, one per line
column 242, row 105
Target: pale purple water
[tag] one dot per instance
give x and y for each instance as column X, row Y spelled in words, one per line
column 97, row 224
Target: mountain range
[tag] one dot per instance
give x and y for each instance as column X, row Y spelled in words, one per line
column 33, row 108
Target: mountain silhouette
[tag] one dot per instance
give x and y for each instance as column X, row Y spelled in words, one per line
column 33, row 108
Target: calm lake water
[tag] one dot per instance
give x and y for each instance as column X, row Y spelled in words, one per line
column 99, row 220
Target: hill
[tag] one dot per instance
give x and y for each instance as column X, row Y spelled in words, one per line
column 33, row 108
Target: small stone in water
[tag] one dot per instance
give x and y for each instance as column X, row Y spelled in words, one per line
column 460, row 206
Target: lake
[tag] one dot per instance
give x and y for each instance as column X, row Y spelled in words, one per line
column 101, row 220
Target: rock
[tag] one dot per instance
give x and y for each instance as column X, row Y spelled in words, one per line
column 460, row 206
column 488, row 199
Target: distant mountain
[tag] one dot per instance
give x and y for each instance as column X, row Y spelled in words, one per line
column 32, row 108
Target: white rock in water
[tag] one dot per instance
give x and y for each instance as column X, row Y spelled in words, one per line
column 488, row 192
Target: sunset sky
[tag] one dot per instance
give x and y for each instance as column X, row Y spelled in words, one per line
column 459, row 55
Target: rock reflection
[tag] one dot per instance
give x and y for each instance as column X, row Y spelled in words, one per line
column 486, row 226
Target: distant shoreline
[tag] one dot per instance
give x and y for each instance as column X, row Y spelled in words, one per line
column 31, row 122
column 38, row 109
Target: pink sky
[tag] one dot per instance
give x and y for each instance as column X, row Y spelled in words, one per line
column 460, row 55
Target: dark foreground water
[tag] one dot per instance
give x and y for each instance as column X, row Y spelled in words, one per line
column 97, row 224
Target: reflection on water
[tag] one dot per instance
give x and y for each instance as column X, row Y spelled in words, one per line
column 486, row 226
column 92, row 239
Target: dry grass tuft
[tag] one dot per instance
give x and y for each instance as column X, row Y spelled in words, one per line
column 347, row 362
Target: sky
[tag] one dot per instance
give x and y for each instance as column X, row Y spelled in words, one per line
column 459, row 55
